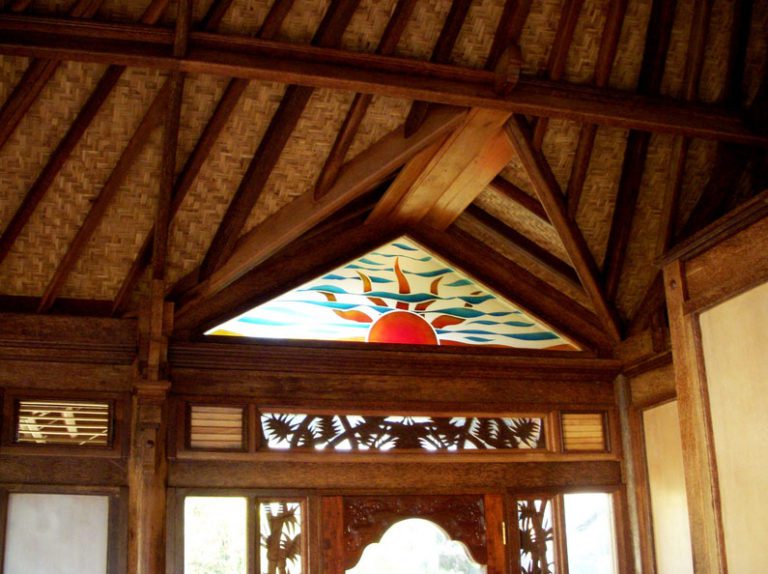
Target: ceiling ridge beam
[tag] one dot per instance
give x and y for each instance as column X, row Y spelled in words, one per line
column 210, row 134
column 546, row 186
column 68, row 143
column 558, row 57
column 359, row 176
column 40, row 71
column 251, row 58
column 606, row 55
column 658, row 36
column 152, row 118
column 441, row 54
column 270, row 148
column 361, row 102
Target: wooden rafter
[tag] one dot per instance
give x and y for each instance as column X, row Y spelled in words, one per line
column 224, row 109
column 558, row 56
column 651, row 72
column 548, row 190
column 607, row 53
column 36, row 77
column 510, row 190
column 361, row 102
column 509, row 29
column 360, row 175
column 68, row 143
column 522, row 244
column 246, row 57
column 520, row 285
column 441, row 54
column 151, row 120
column 280, row 128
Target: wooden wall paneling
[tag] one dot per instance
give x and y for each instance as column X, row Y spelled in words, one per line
column 495, row 531
column 133, row 45
column 332, row 520
column 68, row 470
column 3, row 524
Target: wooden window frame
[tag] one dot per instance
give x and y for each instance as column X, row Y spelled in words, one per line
column 117, row 521
column 119, row 424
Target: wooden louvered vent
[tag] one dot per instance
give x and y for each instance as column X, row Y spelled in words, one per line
column 214, row 427
column 71, row 423
column 584, row 431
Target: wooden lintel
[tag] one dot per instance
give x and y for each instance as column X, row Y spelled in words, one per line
column 247, row 57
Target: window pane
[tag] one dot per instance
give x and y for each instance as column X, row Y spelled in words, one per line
column 56, row 533
column 281, row 545
column 416, row 546
column 589, row 533
column 537, row 546
column 215, row 535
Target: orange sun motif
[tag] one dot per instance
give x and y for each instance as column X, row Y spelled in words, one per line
column 402, row 324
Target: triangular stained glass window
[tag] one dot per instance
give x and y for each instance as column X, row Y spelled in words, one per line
column 398, row 293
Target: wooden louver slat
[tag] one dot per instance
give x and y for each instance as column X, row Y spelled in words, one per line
column 212, row 427
column 49, row 422
column 583, row 431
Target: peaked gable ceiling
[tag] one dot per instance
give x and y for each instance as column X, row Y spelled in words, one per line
column 569, row 142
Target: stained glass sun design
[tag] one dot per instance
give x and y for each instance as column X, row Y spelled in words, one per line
column 398, row 293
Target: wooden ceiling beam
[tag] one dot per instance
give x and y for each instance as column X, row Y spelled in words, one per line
column 359, row 176
column 522, row 244
column 221, row 114
column 524, row 289
column 281, row 126
column 64, row 149
column 361, row 102
column 548, row 190
column 558, row 56
column 441, row 54
column 246, row 57
column 636, row 150
column 609, row 44
column 508, row 31
column 36, row 76
column 152, row 118
column 440, row 187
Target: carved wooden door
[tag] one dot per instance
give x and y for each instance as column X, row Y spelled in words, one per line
column 350, row 524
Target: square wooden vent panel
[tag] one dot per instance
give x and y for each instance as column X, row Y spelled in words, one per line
column 65, row 422
column 584, row 431
column 216, row 427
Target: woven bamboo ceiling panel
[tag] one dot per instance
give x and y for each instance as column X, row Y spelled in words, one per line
column 600, row 134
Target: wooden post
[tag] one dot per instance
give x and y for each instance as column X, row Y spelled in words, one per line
column 695, row 427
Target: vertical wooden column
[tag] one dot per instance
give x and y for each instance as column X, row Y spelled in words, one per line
column 695, row 426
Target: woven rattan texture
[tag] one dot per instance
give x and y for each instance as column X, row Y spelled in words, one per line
column 11, row 70
column 476, row 36
column 715, row 70
column 502, row 246
column 582, row 56
column 538, row 34
column 367, row 25
column 629, row 54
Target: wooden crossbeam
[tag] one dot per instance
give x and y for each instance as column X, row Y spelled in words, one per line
column 366, row 73
column 281, row 126
column 607, row 53
column 361, row 102
column 437, row 189
column 441, row 54
column 360, row 175
column 548, row 190
column 224, row 109
column 36, row 76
